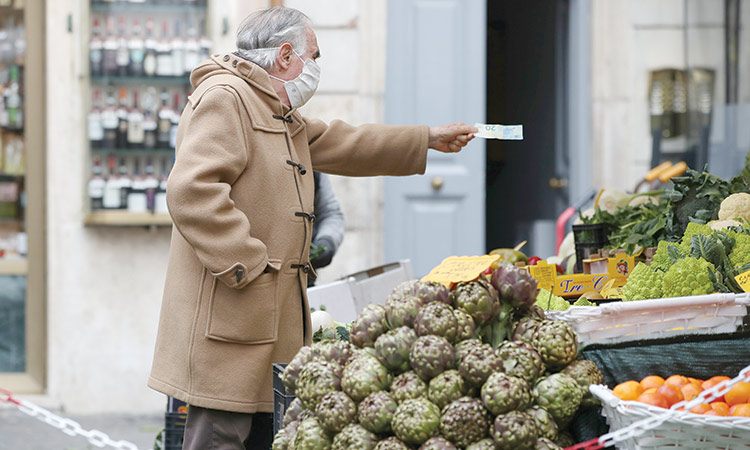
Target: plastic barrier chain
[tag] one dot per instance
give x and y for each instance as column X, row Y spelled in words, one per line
column 67, row 426
column 641, row 426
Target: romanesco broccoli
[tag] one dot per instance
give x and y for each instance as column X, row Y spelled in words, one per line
column 644, row 282
column 693, row 229
column 583, row 301
column 688, row 276
column 741, row 251
column 550, row 302
column 662, row 260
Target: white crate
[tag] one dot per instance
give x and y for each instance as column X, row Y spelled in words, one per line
column 649, row 319
column 345, row 298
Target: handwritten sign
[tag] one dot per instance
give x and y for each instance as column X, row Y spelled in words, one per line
column 456, row 269
column 744, row 280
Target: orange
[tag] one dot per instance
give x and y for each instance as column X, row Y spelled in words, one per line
column 721, row 408
column 651, row 381
column 695, row 381
column 629, row 390
column 740, row 393
column 740, row 409
column 654, row 399
column 649, row 390
column 713, row 381
column 677, row 380
column 671, row 393
column 690, row 391
column 701, row 409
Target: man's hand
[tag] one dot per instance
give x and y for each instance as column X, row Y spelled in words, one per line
column 451, row 138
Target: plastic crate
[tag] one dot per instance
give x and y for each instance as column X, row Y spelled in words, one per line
column 281, row 400
column 660, row 318
column 174, row 430
column 679, row 430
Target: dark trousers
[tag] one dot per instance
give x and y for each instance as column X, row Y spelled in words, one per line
column 211, row 429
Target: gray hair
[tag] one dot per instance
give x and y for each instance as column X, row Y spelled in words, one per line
column 261, row 34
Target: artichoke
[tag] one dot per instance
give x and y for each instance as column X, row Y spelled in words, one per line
column 280, row 441
column 335, row 411
column 437, row 443
column 525, row 329
column 465, row 326
column 293, row 412
column 521, row 360
column 464, row 421
column 484, row 444
column 545, row 423
column 565, row 439
column 403, row 289
column 392, row 443
column 311, row 436
column 431, row 355
column 354, row 436
column 416, row 420
column 515, row 286
column 392, row 348
column 560, row 395
column 408, row 385
column 502, row 393
column 546, row 444
column 291, row 433
column 317, row 379
column 585, row 373
column 515, row 430
column 364, row 375
column 478, row 362
column 556, row 342
column 291, row 371
column 333, row 350
column 446, row 387
column 431, row 291
column 478, row 299
column 376, row 412
column 438, row 319
column 464, row 346
column 402, row 312
column 369, row 324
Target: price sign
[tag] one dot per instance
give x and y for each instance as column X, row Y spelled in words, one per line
column 456, row 269
column 744, row 280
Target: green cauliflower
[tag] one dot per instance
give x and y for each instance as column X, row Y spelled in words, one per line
column 688, row 276
column 740, row 254
column 644, row 283
column 550, row 302
column 583, row 301
column 662, row 259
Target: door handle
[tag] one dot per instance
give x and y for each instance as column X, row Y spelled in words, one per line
column 558, row 183
column 437, row 183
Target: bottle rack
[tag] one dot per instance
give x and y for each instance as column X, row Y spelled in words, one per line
column 140, row 57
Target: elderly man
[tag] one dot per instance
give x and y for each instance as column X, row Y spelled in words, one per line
column 241, row 199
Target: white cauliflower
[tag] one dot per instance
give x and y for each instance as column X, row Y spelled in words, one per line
column 721, row 224
column 735, row 206
column 611, row 200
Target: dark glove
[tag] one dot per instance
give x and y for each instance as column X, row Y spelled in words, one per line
column 326, row 256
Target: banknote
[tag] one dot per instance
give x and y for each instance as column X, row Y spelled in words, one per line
column 506, row 132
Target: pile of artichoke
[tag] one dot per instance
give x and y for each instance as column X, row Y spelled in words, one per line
column 475, row 367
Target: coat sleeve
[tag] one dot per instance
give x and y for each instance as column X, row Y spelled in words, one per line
column 329, row 219
column 210, row 156
column 367, row 150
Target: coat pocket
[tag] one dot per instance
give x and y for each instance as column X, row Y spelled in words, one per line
column 247, row 315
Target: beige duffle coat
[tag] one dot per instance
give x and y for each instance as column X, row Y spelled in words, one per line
column 241, row 198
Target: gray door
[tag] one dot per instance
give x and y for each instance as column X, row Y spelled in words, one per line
column 436, row 75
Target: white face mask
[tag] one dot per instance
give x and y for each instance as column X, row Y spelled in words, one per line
column 301, row 89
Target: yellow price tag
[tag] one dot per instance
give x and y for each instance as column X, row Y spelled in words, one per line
column 455, row 269
column 744, row 280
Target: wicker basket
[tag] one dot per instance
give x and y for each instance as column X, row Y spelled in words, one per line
column 649, row 319
column 679, row 430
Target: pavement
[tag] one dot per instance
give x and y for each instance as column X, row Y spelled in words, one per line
column 19, row 431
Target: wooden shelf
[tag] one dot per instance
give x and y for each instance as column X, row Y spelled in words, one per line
column 126, row 219
column 14, row 266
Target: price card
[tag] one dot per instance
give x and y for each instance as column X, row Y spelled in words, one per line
column 456, row 269
column 504, row 132
column 743, row 280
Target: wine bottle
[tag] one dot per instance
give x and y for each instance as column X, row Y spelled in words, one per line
column 110, row 122
column 165, row 121
column 96, row 130
column 137, row 49
column 136, row 135
column 149, row 59
column 121, row 138
column 96, row 50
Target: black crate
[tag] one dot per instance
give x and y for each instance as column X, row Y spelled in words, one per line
column 174, row 430
column 584, row 251
column 281, row 400
column 591, row 233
